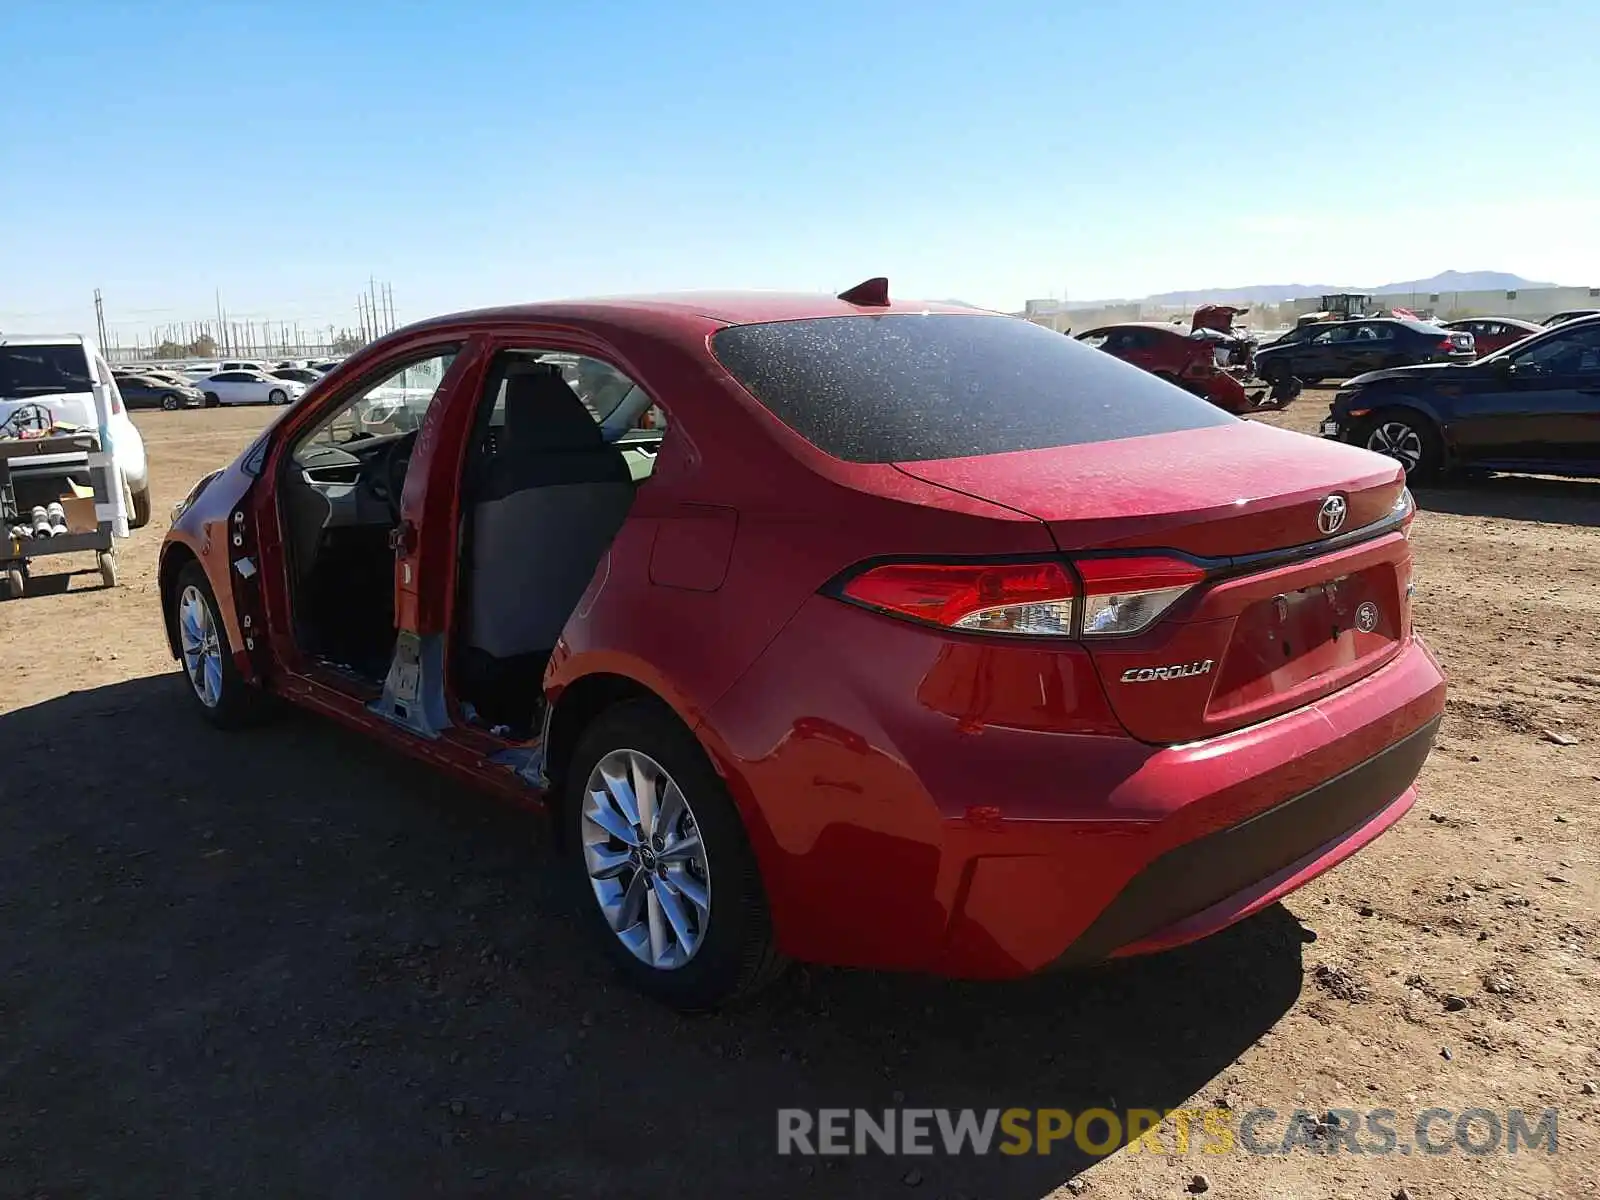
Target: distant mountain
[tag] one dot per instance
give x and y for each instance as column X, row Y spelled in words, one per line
column 1465, row 281
column 1274, row 293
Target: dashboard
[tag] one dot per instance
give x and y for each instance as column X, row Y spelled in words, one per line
column 360, row 480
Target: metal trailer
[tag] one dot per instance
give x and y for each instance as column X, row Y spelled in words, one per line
column 66, row 454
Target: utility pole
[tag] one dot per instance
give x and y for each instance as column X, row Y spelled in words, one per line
column 100, row 318
column 388, row 304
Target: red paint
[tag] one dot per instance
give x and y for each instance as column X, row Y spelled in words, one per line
column 918, row 797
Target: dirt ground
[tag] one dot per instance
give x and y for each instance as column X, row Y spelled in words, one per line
column 282, row 963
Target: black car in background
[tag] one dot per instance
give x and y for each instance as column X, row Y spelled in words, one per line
column 1340, row 349
column 146, row 391
column 1534, row 406
column 1571, row 314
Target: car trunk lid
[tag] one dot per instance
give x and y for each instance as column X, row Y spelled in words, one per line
column 1303, row 582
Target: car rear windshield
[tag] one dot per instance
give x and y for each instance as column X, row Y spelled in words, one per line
column 908, row 387
column 38, row 370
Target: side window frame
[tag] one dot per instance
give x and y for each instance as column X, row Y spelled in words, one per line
column 358, row 390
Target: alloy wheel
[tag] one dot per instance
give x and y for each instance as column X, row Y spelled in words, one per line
column 645, row 860
column 202, row 647
column 1399, row 441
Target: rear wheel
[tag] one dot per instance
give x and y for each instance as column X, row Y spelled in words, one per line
column 212, row 400
column 656, row 843
column 139, row 508
column 1407, row 437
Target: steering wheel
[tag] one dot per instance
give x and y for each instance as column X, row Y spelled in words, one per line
column 390, row 480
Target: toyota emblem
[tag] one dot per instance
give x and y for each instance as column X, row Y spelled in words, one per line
column 1330, row 517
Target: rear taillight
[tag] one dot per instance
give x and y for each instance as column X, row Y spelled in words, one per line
column 1405, row 511
column 1034, row 599
column 1125, row 595
column 1117, row 596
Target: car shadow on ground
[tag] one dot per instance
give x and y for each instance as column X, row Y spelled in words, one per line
column 1517, row 498
column 285, row 962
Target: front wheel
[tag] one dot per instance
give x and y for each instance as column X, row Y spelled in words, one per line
column 225, row 699
column 675, row 896
column 170, row 403
column 278, row 396
column 1408, row 438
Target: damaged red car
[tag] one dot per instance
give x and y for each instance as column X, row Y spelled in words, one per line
column 1194, row 361
column 861, row 632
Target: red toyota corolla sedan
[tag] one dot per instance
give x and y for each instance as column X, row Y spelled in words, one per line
column 854, row 631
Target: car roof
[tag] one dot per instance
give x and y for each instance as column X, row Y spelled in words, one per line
column 1164, row 326
column 723, row 308
column 1519, row 322
column 42, row 339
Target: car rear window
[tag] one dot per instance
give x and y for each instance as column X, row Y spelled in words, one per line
column 35, row 370
column 908, row 387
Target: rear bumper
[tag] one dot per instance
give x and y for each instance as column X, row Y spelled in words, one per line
column 1207, row 884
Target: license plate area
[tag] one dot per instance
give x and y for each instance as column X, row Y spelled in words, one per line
column 1323, row 631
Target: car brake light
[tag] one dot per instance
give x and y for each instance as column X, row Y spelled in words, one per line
column 1034, row 599
column 1448, row 344
column 1125, row 595
column 1118, row 596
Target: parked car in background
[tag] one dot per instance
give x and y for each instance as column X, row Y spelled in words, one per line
column 917, row 638
column 1571, row 314
column 247, row 387
column 66, row 377
column 1340, row 349
column 1534, row 406
column 1493, row 333
column 147, row 391
column 326, row 365
column 303, row 375
column 245, row 365
column 1188, row 360
column 174, row 376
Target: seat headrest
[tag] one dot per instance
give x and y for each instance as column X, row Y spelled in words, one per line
column 543, row 414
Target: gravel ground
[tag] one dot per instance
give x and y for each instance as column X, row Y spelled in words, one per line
column 282, row 963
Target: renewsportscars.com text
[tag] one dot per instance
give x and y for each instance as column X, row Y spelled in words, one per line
column 1101, row 1131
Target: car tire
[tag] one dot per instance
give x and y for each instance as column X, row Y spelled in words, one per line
column 139, row 508
column 726, row 949
column 278, row 396
column 212, row 400
column 223, row 696
column 170, row 402
column 1406, row 436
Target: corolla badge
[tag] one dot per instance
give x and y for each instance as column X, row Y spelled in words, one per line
column 1330, row 517
column 1176, row 671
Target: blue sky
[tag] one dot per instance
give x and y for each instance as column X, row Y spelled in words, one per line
column 492, row 152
